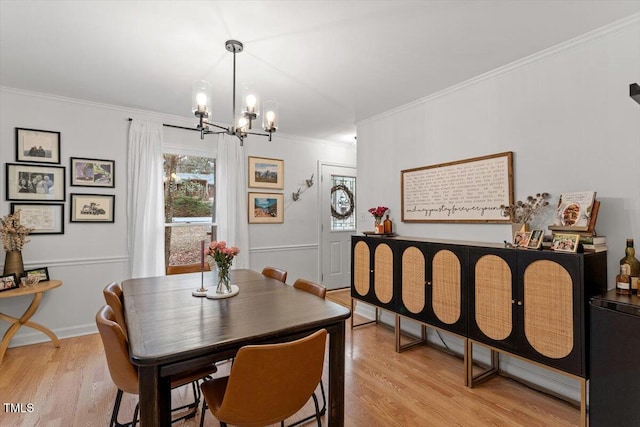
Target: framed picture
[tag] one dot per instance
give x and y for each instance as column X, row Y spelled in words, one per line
column 92, row 172
column 10, row 281
column 37, row 146
column 536, row 239
column 92, row 207
column 33, row 182
column 44, row 218
column 521, row 238
column 565, row 242
column 266, row 208
column 42, row 273
column 266, row 173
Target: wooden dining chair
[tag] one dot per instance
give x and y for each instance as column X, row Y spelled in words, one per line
column 275, row 273
column 267, row 383
column 124, row 374
column 186, row 268
column 319, row 291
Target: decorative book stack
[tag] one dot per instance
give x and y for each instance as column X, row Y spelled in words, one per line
column 594, row 243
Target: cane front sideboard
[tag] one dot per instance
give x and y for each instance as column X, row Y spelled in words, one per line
column 531, row 304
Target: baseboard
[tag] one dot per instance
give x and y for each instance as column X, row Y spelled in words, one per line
column 37, row 337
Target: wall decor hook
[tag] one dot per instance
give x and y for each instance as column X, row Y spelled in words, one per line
column 309, row 181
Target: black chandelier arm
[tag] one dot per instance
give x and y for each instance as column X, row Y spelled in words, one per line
column 215, row 125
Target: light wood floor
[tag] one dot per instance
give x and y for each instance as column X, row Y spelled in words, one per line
column 423, row 386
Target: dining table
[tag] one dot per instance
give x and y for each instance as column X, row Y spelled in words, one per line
column 172, row 332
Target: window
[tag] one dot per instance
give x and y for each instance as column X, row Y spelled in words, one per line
column 189, row 206
column 343, row 190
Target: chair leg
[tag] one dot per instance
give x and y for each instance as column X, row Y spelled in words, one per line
column 116, row 409
column 315, row 402
column 135, row 415
column 204, row 411
column 321, row 411
column 324, row 399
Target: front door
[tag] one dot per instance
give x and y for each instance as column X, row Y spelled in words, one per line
column 338, row 223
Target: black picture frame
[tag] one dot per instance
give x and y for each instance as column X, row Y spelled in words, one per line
column 37, row 146
column 43, row 218
column 87, row 172
column 96, row 208
column 8, row 282
column 43, row 272
column 38, row 183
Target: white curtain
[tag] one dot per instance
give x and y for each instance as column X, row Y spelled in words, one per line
column 231, row 197
column 145, row 201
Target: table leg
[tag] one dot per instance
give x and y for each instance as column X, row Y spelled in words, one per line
column 336, row 376
column 155, row 398
column 24, row 320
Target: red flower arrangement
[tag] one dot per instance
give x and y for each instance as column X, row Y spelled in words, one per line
column 378, row 212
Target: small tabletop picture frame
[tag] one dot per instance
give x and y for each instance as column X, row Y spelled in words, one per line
column 42, row 273
column 37, row 146
column 521, row 239
column 565, row 242
column 8, row 282
column 536, row 239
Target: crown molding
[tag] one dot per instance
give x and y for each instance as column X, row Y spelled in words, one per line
column 553, row 50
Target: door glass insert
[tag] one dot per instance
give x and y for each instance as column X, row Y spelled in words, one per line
column 343, row 203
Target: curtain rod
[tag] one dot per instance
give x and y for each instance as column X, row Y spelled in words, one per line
column 174, row 126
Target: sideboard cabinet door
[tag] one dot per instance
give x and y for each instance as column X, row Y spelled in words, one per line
column 550, row 305
column 492, row 297
column 413, row 302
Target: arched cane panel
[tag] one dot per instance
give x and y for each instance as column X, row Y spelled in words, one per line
column 493, row 297
column 383, row 273
column 446, row 293
column 548, row 308
column 413, row 275
column 361, row 268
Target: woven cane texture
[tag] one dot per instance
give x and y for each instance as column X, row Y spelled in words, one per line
column 548, row 314
column 383, row 273
column 445, row 295
column 493, row 298
column 361, row 274
column 413, row 280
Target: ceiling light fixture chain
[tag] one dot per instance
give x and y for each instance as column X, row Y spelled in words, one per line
column 242, row 125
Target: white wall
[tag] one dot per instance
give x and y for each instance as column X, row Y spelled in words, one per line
column 566, row 115
column 88, row 256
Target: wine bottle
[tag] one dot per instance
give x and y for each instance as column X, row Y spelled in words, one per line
column 623, row 282
column 631, row 266
column 387, row 225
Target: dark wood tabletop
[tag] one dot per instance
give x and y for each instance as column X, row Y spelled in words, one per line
column 171, row 331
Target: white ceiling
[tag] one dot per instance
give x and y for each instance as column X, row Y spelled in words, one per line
column 327, row 63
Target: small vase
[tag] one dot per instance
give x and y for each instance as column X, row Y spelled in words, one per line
column 224, row 284
column 377, row 226
column 519, row 226
column 13, row 263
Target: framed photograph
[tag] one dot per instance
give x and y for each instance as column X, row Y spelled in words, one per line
column 37, row 146
column 42, row 273
column 44, row 218
column 92, row 172
column 536, row 239
column 565, row 242
column 10, row 281
column 266, row 173
column 92, row 207
column 521, row 239
column 266, row 208
column 33, row 182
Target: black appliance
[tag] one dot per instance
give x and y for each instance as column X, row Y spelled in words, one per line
column 614, row 366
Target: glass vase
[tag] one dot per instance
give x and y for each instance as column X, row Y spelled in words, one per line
column 224, row 283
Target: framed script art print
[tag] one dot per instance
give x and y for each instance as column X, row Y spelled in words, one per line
column 266, row 208
column 35, row 182
column 92, row 207
column 44, row 218
column 92, row 172
column 266, row 173
column 37, row 146
column 470, row 190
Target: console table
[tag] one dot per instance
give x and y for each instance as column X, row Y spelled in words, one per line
column 531, row 304
column 16, row 323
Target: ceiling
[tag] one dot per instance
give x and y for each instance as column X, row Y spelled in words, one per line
column 329, row 64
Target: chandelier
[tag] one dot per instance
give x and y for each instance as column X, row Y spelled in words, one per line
column 243, row 119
